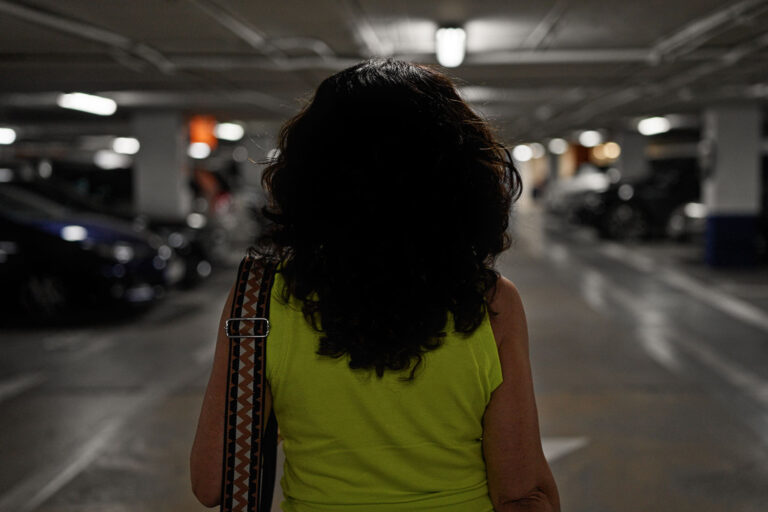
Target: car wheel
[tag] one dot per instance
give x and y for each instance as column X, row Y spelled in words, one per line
column 624, row 222
column 45, row 295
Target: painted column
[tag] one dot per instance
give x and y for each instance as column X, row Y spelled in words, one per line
column 554, row 167
column 632, row 162
column 161, row 167
column 730, row 158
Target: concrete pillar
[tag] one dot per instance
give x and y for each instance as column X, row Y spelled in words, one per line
column 731, row 183
column 161, row 167
column 632, row 162
column 554, row 167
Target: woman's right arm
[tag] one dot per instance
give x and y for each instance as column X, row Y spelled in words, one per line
column 519, row 478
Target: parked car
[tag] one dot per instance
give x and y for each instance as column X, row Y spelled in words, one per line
column 191, row 244
column 631, row 209
column 565, row 196
column 54, row 260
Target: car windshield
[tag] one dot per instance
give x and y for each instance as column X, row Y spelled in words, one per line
column 20, row 202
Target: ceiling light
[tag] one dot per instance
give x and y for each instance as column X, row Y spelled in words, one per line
column 229, row 131
column 537, row 150
column 612, row 150
column 558, row 146
column 522, row 153
column 108, row 159
column 590, row 138
column 87, row 103
column 7, row 135
column 451, row 44
column 199, row 150
column 653, row 125
column 126, row 145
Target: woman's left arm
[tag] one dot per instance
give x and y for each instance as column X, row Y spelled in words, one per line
column 207, row 454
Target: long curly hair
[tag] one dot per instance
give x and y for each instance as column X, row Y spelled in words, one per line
column 389, row 200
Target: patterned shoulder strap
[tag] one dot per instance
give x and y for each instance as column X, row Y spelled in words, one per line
column 250, row 439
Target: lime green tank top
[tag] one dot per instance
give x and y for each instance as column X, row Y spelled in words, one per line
column 354, row 442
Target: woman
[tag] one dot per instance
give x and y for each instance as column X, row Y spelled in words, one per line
column 398, row 358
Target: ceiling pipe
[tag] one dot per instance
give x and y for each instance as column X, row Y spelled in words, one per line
column 89, row 32
column 699, row 31
column 270, row 48
column 368, row 40
column 545, row 28
column 239, row 27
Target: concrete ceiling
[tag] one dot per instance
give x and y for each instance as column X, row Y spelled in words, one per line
column 536, row 69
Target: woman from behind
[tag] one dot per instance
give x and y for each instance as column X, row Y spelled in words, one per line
column 398, row 361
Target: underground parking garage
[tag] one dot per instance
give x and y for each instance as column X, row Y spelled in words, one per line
column 134, row 139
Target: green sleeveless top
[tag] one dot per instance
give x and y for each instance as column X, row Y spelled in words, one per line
column 354, row 442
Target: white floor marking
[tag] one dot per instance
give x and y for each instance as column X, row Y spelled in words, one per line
column 33, row 491
column 17, row 385
column 558, row 447
column 728, row 304
column 732, row 306
column 666, row 336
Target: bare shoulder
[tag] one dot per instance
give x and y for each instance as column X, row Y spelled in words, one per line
column 507, row 302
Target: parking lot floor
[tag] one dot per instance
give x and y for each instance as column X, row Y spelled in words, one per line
column 652, row 394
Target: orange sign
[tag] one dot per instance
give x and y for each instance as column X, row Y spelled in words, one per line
column 201, row 130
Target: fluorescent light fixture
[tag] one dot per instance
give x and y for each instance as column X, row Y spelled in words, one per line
column 196, row 220
column 653, row 125
column 229, row 131
column 558, row 146
column 537, row 149
column 522, row 153
column 73, row 233
column 451, row 46
column 590, row 138
column 611, row 150
column 87, row 103
column 108, row 159
column 199, row 150
column 7, row 135
column 126, row 145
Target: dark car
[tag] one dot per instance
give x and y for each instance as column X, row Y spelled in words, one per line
column 630, row 209
column 54, row 260
column 188, row 244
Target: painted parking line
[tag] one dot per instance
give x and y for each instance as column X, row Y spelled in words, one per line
column 665, row 343
column 15, row 386
column 558, row 447
column 728, row 304
column 38, row 487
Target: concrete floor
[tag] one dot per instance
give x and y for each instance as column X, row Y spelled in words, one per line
column 652, row 385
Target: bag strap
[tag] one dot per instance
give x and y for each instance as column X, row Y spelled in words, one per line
column 250, row 441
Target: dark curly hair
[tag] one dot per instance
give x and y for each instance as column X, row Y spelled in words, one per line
column 390, row 200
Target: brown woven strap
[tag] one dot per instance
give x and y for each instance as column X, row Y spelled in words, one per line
column 243, row 479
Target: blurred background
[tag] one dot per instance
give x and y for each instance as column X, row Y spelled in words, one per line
column 133, row 135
